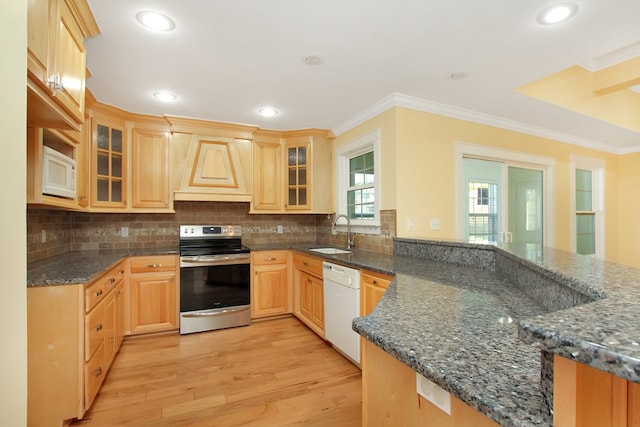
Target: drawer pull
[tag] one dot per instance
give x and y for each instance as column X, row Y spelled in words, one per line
column 270, row 259
column 98, row 294
column 98, row 327
column 375, row 282
column 97, row 372
column 112, row 280
column 154, row 265
column 305, row 263
column 121, row 272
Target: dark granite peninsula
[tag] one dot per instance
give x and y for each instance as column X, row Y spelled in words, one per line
column 486, row 323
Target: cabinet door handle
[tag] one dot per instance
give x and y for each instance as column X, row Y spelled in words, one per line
column 98, row 327
column 121, row 272
column 305, row 263
column 97, row 372
column 270, row 259
column 154, row 265
column 375, row 282
column 98, row 294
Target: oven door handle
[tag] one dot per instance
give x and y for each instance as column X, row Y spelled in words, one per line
column 216, row 261
column 216, row 313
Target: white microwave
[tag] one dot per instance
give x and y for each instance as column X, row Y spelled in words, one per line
column 58, row 174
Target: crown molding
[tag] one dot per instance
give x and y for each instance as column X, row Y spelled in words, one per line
column 419, row 104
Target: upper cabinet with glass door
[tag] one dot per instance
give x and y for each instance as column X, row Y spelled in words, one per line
column 308, row 171
column 108, row 162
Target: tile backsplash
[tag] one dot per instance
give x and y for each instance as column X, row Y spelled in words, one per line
column 70, row 231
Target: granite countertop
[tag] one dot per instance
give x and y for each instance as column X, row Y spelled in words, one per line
column 83, row 266
column 468, row 329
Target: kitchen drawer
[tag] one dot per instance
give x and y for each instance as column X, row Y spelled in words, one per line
column 94, row 372
column 269, row 257
column 150, row 264
column 311, row 265
column 99, row 288
column 94, row 330
column 375, row 279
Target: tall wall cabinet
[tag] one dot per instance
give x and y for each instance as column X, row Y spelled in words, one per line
column 56, row 62
column 292, row 172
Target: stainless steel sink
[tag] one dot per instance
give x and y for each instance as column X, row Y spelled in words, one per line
column 331, row 251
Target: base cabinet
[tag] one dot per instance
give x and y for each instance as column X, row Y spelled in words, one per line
column 389, row 397
column 153, row 294
column 309, row 292
column 587, row 397
column 373, row 285
column 270, row 285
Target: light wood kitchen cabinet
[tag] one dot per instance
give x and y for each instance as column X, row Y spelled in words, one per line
column 153, row 294
column 108, row 161
column 56, row 62
column 55, row 362
column 72, row 340
column 101, row 329
column 292, row 171
column 309, row 291
column 373, row 285
column 390, row 398
column 587, row 397
column 150, row 169
column 267, row 171
column 270, row 285
column 308, row 166
column 37, row 139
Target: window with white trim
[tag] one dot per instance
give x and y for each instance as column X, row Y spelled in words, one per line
column 588, row 194
column 358, row 183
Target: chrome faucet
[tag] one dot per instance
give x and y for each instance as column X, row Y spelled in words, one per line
column 349, row 236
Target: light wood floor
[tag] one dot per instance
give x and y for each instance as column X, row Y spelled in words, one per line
column 271, row 373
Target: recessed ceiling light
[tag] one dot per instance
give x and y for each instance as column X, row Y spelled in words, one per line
column 165, row 96
column 557, row 13
column 313, row 60
column 268, row 111
column 155, row 21
column 458, row 75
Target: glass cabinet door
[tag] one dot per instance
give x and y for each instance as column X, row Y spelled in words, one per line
column 297, row 177
column 108, row 172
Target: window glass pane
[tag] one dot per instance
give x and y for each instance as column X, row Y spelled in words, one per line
column 103, row 190
column 103, row 137
column 302, row 176
column 585, row 233
column 292, row 157
column 116, row 140
column 103, row 164
column 116, row 166
column 368, row 161
column 483, row 211
column 292, row 177
column 584, row 193
column 293, row 200
column 302, row 155
column 302, row 196
column 116, row 191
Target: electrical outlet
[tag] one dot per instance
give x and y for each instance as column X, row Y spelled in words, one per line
column 44, row 236
column 280, row 229
column 435, row 223
column 124, row 231
column 433, row 393
column 410, row 224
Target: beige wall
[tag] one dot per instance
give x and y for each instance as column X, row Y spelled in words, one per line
column 13, row 290
column 629, row 211
column 424, row 183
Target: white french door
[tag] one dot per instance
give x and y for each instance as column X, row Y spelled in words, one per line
column 502, row 201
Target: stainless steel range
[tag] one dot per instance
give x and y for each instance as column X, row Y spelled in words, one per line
column 214, row 278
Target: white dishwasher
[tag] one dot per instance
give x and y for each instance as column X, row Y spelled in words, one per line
column 341, row 306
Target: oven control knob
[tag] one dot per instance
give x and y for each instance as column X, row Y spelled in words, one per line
column 236, row 230
column 193, row 230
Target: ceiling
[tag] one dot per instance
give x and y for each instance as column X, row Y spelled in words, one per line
column 227, row 58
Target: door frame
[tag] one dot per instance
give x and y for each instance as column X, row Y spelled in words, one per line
column 512, row 158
